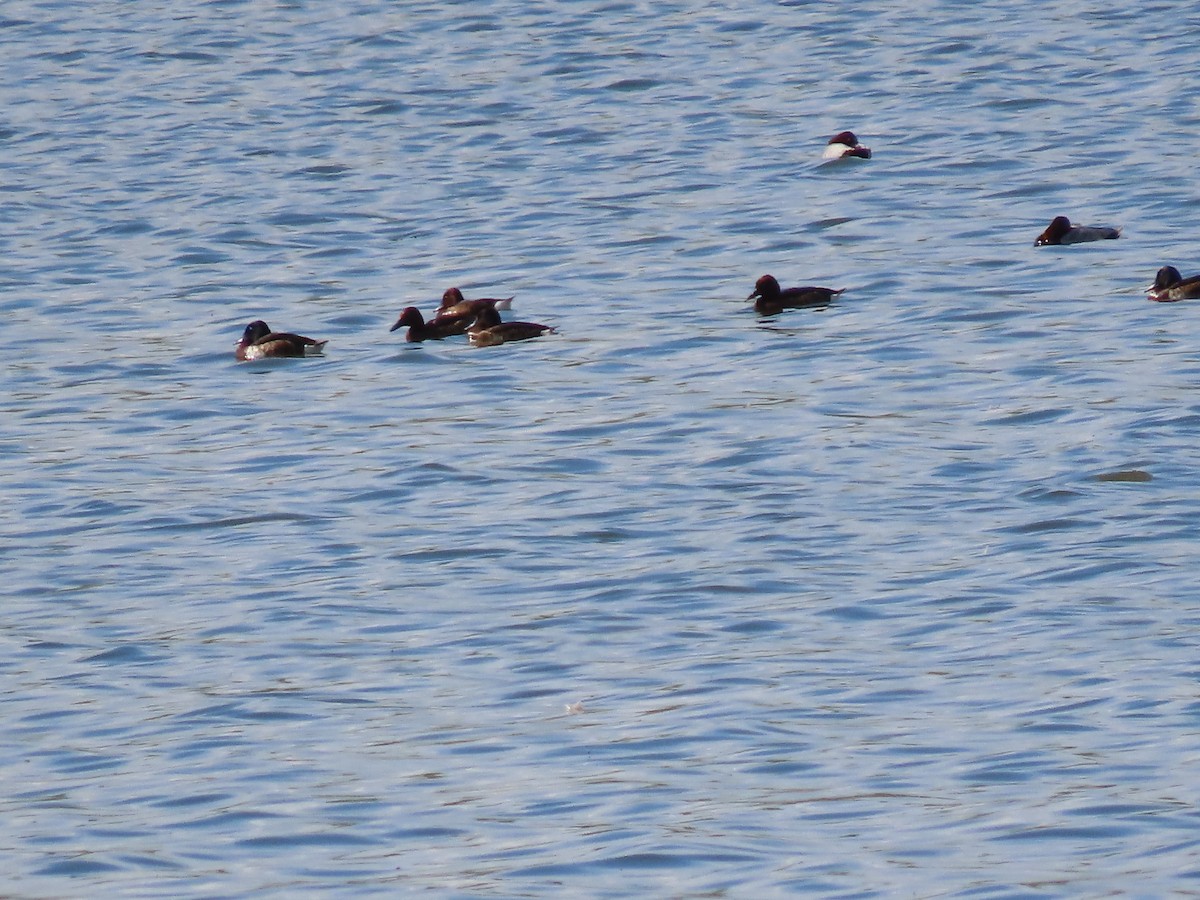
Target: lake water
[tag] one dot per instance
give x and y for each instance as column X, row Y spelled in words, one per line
column 894, row 599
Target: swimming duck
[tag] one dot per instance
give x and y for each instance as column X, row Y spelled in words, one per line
column 1061, row 231
column 433, row 330
column 260, row 342
column 489, row 330
column 844, row 144
column 453, row 304
column 1170, row 286
column 770, row 300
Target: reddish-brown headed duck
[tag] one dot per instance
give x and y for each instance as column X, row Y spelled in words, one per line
column 453, row 304
column 488, row 330
column 260, row 342
column 434, row 329
column 1061, row 231
column 770, row 300
column 1170, row 286
column 844, row 144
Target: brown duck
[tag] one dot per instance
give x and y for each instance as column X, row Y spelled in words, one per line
column 489, row 330
column 260, row 342
column 770, row 300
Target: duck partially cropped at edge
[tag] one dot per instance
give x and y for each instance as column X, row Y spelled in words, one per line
column 454, row 304
column 489, row 330
column 1170, row 286
column 1061, row 231
column 260, row 342
column 845, row 144
column 769, row 299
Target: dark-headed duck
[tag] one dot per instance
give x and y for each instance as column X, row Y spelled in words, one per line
column 1061, row 231
column 1170, row 286
column 488, row 330
column 453, row 304
column 260, row 342
column 769, row 299
column 434, row 329
column 845, row 144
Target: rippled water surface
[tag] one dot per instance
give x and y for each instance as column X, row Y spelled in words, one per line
column 896, row 598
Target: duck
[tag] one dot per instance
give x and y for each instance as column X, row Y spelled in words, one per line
column 433, row 330
column 845, row 144
column 1170, row 286
column 260, row 342
column 454, row 304
column 489, row 330
column 1061, row 231
column 770, row 300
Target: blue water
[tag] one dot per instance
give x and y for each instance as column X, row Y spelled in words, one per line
column 893, row 599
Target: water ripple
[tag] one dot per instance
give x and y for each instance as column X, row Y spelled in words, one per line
column 893, row 598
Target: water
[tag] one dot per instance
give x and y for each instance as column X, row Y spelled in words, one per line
column 891, row 599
